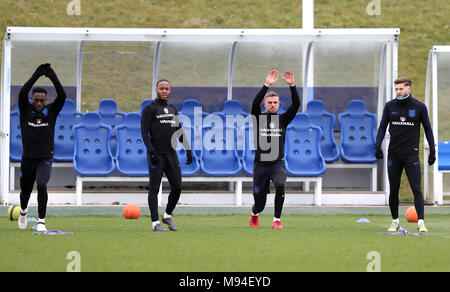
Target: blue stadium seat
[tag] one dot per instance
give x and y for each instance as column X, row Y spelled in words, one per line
column 302, row 148
column 69, row 106
column 248, row 154
column 216, row 159
column 131, row 156
column 233, row 116
column 358, row 128
column 233, row 110
column 64, row 140
column 15, row 142
column 233, row 107
column 192, row 107
column 194, row 136
column 214, row 120
column 92, row 154
column 326, row 121
column 194, row 167
column 144, row 103
column 444, row 155
column 242, row 135
column 233, row 132
column 111, row 116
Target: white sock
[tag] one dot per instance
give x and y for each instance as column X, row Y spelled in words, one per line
column 420, row 221
column 24, row 212
column 154, row 223
column 396, row 221
column 276, row 219
column 41, row 221
column 165, row 216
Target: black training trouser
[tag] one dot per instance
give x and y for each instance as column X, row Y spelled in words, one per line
column 262, row 175
column 411, row 164
column 168, row 164
column 35, row 170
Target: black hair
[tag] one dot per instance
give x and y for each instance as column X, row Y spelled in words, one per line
column 162, row 80
column 39, row 90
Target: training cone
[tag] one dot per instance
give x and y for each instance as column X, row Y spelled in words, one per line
column 131, row 211
column 411, row 214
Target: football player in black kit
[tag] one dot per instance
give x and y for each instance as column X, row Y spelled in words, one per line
column 37, row 121
column 270, row 130
column 404, row 115
column 160, row 128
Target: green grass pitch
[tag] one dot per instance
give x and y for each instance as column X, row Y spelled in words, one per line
column 225, row 243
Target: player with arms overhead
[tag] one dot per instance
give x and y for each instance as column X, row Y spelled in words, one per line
column 37, row 121
column 269, row 131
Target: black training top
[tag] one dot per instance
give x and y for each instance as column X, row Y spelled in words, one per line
column 270, row 129
column 158, row 125
column 38, row 128
column 404, row 118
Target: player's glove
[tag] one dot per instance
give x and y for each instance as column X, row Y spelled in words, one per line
column 432, row 156
column 378, row 153
column 189, row 157
column 154, row 158
column 42, row 69
column 50, row 73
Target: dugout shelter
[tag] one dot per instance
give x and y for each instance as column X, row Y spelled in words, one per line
column 211, row 66
column 437, row 99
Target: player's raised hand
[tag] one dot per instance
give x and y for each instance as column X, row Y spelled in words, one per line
column 289, row 78
column 50, row 73
column 42, row 69
column 271, row 78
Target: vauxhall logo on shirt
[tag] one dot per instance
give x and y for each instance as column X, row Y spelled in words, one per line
column 38, row 124
column 403, row 122
column 166, row 118
column 38, row 121
column 274, row 131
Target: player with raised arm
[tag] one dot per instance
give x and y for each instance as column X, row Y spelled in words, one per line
column 270, row 130
column 37, row 121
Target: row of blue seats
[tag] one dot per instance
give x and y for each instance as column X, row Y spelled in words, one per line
column 69, row 117
column 92, row 155
column 64, row 142
column 224, row 106
column 352, row 143
column 357, row 126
